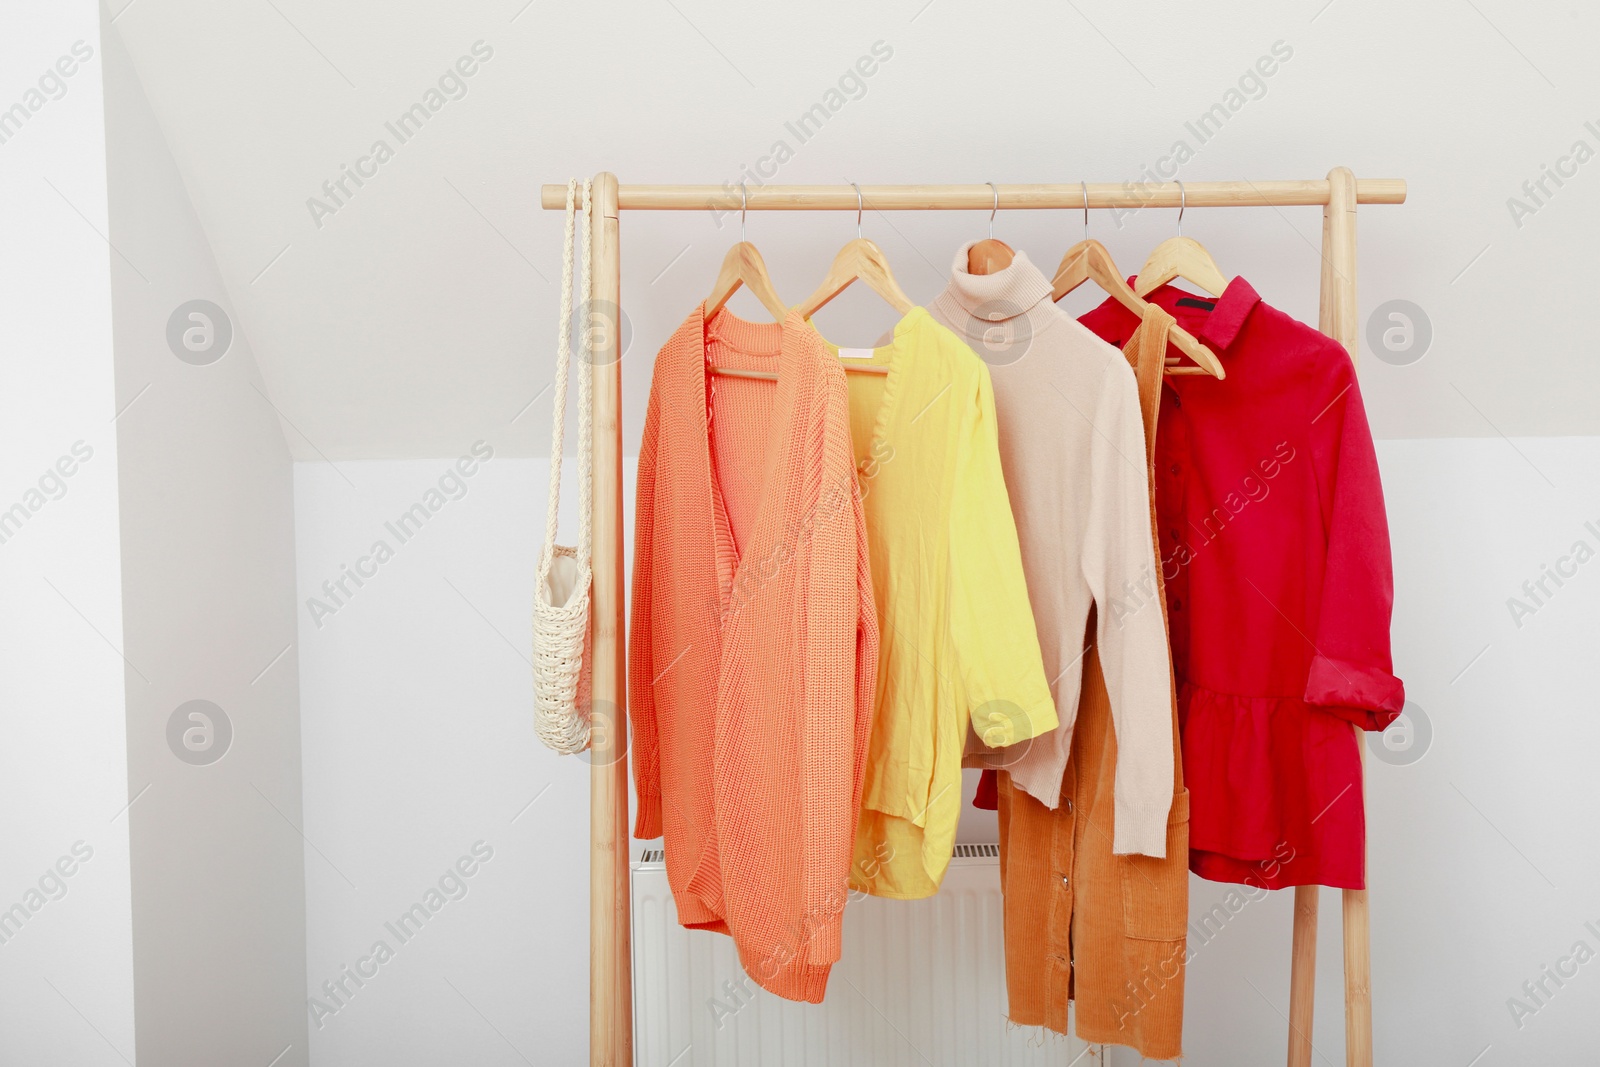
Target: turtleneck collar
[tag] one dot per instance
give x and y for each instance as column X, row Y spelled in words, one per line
column 997, row 312
column 1002, row 295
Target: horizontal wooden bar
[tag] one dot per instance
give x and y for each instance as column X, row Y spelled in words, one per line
column 769, row 376
column 981, row 197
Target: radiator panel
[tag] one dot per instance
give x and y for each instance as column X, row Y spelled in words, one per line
column 920, row 983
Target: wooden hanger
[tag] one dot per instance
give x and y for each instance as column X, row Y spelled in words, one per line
column 990, row 255
column 744, row 266
column 1180, row 257
column 858, row 260
column 1088, row 260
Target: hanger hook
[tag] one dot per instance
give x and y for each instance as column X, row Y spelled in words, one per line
column 1085, row 186
column 744, row 208
column 857, row 188
column 1183, row 202
column 996, row 209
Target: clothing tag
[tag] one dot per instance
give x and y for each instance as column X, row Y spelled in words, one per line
column 1191, row 302
column 856, row 353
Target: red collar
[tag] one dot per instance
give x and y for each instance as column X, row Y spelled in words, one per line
column 1219, row 326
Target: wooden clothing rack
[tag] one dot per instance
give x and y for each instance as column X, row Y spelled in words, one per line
column 610, row 962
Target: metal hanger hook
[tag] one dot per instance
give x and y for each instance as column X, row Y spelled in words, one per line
column 996, row 210
column 744, row 209
column 857, row 188
column 1085, row 186
column 1183, row 202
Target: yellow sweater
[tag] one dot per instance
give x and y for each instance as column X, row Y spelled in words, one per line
column 956, row 633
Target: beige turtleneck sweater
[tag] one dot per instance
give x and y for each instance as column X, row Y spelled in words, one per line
column 1072, row 451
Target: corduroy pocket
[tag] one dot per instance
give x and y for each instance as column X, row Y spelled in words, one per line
column 1155, row 892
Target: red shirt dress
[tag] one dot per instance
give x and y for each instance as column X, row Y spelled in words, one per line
column 1275, row 551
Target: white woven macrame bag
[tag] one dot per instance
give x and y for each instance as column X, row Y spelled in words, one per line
column 561, row 588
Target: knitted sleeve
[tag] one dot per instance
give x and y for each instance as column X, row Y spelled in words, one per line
column 1001, row 670
column 1119, row 566
column 641, row 671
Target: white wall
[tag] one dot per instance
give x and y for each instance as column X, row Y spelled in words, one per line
column 418, row 731
column 66, row 977
column 208, row 580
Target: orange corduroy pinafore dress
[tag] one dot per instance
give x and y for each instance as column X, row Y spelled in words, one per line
column 1081, row 923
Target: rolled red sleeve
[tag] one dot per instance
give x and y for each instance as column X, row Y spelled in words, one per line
column 1352, row 674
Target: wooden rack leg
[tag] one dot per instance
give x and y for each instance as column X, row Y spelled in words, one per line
column 1357, row 980
column 1303, row 976
column 1339, row 319
column 1341, row 214
column 610, row 953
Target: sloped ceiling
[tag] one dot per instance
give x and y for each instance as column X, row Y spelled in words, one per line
column 396, row 282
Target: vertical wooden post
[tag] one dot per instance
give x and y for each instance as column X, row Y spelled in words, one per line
column 1303, row 953
column 1346, row 328
column 1338, row 318
column 1303, row 975
column 610, row 954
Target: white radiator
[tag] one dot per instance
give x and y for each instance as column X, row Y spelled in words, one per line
column 921, row 983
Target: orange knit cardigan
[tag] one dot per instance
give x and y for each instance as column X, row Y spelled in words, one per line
column 754, row 645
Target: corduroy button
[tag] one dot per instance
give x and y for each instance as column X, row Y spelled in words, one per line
column 1069, row 805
